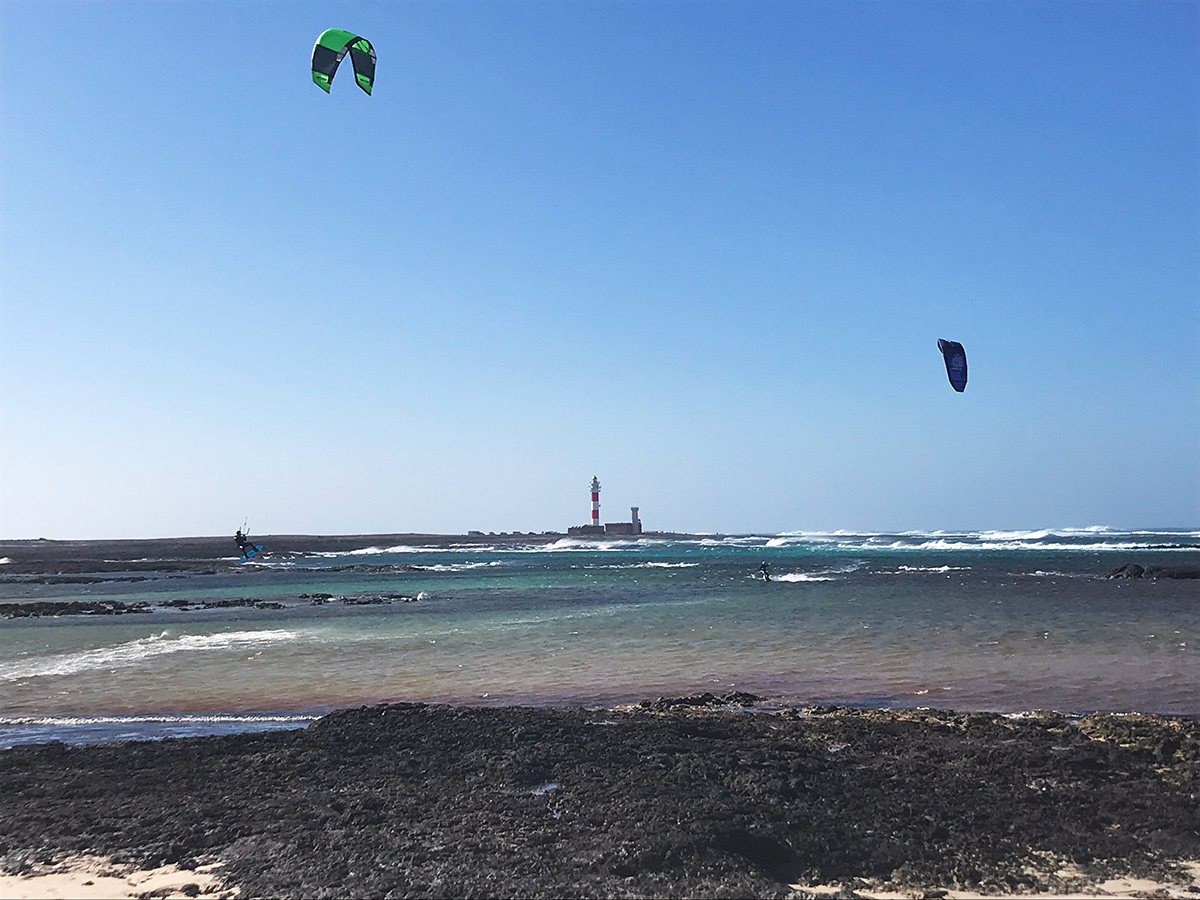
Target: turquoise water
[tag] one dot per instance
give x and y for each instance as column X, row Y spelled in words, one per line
column 983, row 621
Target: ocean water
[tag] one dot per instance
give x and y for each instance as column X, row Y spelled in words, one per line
column 1004, row 621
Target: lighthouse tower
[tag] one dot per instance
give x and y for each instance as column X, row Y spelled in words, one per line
column 595, row 502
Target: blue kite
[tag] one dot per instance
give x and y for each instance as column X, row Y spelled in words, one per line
column 956, row 363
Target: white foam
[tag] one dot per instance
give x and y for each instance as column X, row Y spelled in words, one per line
column 75, row 721
column 942, row 544
column 800, row 576
column 1105, row 538
column 940, row 569
column 376, row 551
column 459, row 567
column 403, row 548
column 1014, row 535
column 576, row 544
column 134, row 652
column 5, row 561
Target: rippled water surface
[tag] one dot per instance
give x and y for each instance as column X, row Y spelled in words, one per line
column 970, row 621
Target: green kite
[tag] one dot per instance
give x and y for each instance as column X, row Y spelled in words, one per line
column 328, row 51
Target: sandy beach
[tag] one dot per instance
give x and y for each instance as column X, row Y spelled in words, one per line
column 688, row 797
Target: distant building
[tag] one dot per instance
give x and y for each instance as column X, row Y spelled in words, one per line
column 633, row 526
column 585, row 529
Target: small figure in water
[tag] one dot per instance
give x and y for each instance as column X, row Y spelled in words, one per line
column 766, row 573
column 243, row 542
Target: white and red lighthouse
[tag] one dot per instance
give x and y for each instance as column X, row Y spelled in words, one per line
column 595, row 501
column 633, row 526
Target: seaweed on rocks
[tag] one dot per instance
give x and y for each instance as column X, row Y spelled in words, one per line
column 38, row 608
column 707, row 699
column 358, row 600
column 685, row 799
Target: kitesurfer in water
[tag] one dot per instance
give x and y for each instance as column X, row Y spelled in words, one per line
column 243, row 542
column 766, row 573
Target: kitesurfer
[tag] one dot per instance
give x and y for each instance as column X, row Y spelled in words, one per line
column 243, row 542
column 766, row 573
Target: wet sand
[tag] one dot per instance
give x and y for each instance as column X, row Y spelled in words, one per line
column 672, row 798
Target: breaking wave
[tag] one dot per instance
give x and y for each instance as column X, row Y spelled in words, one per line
column 134, row 652
column 1090, row 539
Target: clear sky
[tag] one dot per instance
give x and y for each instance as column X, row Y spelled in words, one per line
column 703, row 250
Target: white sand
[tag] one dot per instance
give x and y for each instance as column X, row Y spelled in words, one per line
column 1113, row 889
column 93, row 878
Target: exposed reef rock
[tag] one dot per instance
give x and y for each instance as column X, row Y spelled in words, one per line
column 37, row 608
column 705, row 700
column 677, row 800
column 1133, row 570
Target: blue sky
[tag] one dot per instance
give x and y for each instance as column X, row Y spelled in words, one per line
column 703, row 250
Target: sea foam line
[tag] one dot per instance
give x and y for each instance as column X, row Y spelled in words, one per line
column 621, row 566
column 134, row 652
column 182, row 718
column 1030, row 545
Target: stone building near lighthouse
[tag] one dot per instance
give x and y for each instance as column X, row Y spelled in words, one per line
column 633, row 526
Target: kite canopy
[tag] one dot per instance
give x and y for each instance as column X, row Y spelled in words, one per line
column 956, row 363
column 328, row 51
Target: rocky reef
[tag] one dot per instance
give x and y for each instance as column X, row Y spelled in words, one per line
column 1133, row 570
column 681, row 797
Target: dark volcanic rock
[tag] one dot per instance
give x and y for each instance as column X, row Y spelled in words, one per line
column 1133, row 570
column 432, row 801
column 1173, row 571
column 38, row 608
column 1129, row 570
column 707, row 699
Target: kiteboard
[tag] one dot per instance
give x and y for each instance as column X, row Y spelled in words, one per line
column 250, row 551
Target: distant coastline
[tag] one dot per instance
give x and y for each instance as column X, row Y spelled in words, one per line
column 209, row 555
column 49, row 556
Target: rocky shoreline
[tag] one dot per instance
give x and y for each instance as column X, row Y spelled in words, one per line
column 685, row 797
column 38, row 608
